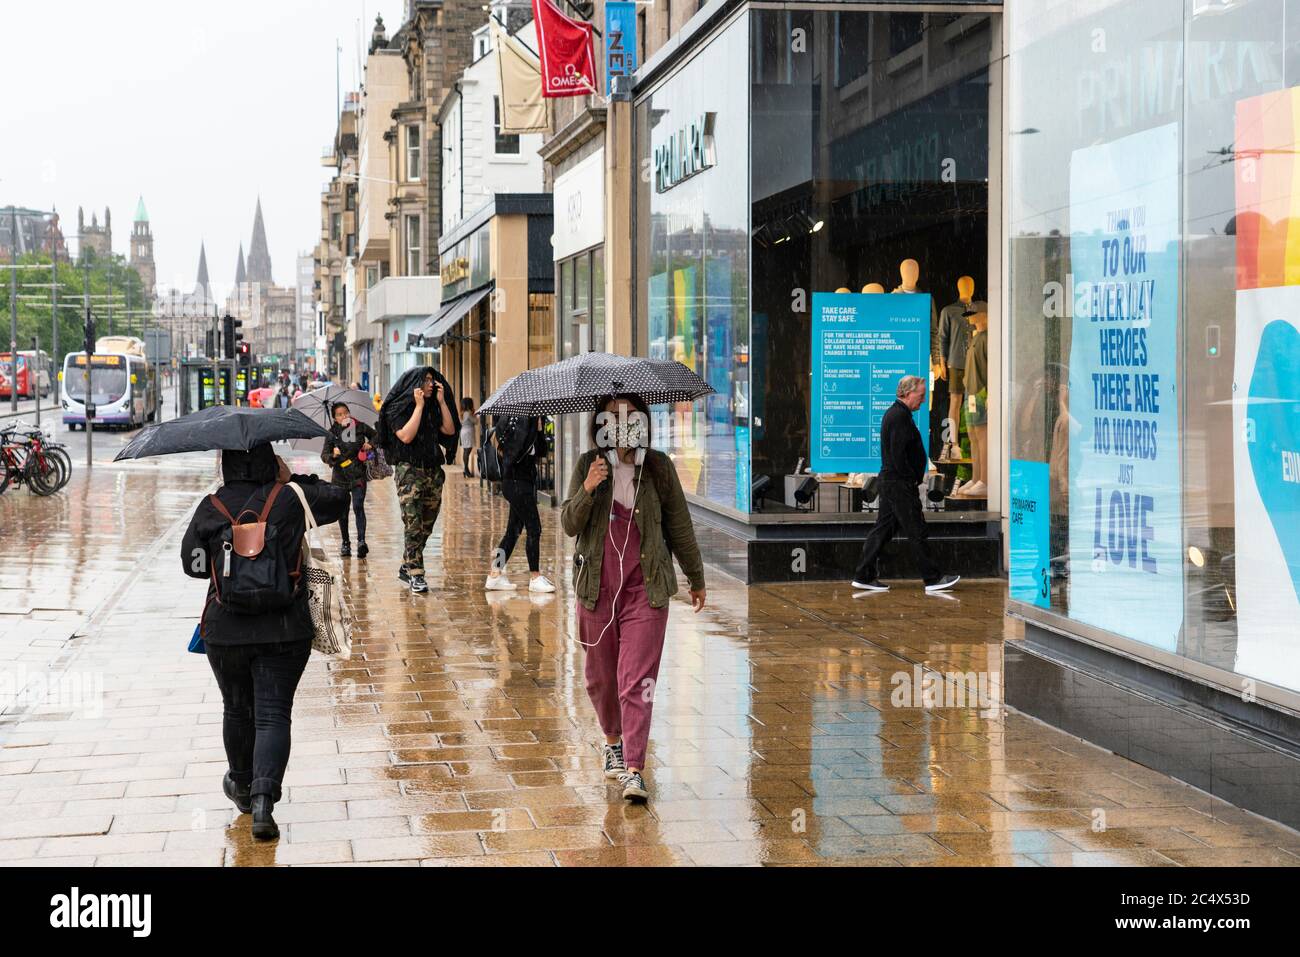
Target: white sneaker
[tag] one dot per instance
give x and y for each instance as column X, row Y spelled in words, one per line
column 540, row 584
column 499, row 583
column 975, row 490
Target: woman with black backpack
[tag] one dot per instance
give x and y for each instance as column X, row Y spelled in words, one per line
column 521, row 441
column 256, row 625
column 347, row 449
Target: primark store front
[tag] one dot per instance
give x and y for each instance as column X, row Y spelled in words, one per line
column 1115, row 184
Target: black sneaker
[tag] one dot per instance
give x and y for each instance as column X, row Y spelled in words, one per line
column 614, row 765
column 943, row 584
column 240, row 797
column 404, row 575
column 346, row 550
column 633, row 786
column 874, row 584
column 418, row 584
column 362, row 550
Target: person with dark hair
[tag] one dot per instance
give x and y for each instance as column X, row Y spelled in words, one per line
column 257, row 657
column 628, row 512
column 346, row 450
column 467, row 434
column 521, row 441
column 417, row 432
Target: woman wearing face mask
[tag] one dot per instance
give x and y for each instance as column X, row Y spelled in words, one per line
column 630, row 521
column 349, row 444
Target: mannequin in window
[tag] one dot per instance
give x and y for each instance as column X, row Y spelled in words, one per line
column 954, row 339
column 873, row 287
column 909, row 272
column 977, row 411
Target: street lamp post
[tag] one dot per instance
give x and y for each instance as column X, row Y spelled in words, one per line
column 86, row 396
column 13, row 310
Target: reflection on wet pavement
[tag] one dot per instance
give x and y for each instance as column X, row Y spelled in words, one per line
column 793, row 724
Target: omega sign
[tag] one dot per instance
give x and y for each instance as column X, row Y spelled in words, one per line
column 688, row 151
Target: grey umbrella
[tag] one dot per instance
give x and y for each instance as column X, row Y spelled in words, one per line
column 220, row 427
column 578, row 385
column 317, row 403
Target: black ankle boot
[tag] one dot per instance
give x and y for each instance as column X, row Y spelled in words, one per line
column 264, row 826
column 346, row 550
column 362, row 549
column 240, row 796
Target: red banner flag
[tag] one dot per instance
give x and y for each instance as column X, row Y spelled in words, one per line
column 567, row 52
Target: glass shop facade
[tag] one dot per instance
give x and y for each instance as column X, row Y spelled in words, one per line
column 1154, row 312
column 786, row 153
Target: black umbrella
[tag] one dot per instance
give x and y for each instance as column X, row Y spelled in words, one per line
column 578, row 385
column 220, row 427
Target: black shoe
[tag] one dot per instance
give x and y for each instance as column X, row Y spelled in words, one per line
column 240, row 796
column 633, row 786
column 871, row 584
column 264, row 826
column 403, row 574
column 418, row 584
column 346, row 550
column 943, row 584
column 362, row 549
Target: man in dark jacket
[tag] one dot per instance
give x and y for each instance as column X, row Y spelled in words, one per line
column 902, row 469
column 257, row 658
column 417, row 431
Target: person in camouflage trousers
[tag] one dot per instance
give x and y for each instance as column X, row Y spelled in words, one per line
column 419, row 493
column 417, row 432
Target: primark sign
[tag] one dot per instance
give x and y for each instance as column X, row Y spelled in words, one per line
column 687, row 151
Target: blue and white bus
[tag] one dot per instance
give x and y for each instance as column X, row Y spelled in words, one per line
column 121, row 385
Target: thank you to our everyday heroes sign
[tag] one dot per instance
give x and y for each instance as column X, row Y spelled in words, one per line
column 1125, row 487
column 862, row 344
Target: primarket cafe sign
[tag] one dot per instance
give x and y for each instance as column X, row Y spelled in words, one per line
column 688, row 151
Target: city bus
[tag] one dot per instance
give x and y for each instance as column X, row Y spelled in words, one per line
column 121, row 385
column 33, row 373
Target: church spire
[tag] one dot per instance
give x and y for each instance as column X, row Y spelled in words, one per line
column 201, row 285
column 259, row 255
column 240, row 273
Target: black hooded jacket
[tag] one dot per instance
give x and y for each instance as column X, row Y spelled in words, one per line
column 248, row 478
column 431, row 448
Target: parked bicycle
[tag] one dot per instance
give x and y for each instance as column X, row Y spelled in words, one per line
column 27, row 456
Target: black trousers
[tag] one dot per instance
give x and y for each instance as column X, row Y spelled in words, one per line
column 900, row 506
column 469, row 460
column 522, row 497
column 359, row 509
column 257, row 685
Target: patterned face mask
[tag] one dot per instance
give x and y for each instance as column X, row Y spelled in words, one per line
column 631, row 434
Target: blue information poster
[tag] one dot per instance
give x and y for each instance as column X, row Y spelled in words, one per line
column 862, row 344
column 620, row 40
column 1126, row 546
column 1029, row 520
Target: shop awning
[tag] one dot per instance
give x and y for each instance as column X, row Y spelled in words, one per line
column 442, row 322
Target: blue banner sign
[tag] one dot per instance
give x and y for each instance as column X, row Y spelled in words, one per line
column 862, row 344
column 1029, row 520
column 620, row 40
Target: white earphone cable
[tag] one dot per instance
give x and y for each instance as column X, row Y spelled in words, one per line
column 613, row 605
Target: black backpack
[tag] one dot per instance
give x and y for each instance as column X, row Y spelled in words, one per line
column 251, row 568
column 489, row 458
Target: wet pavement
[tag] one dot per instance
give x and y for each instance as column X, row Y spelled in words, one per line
column 793, row 724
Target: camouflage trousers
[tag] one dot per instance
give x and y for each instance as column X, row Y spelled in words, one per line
column 419, row 493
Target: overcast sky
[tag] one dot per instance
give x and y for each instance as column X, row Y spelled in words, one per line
column 199, row 107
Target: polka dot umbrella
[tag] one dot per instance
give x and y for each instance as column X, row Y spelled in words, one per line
column 578, row 384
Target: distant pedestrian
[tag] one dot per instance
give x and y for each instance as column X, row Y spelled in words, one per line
column 902, row 470
column 521, row 441
column 257, row 656
column 467, row 428
column 417, row 432
column 347, row 449
column 630, row 521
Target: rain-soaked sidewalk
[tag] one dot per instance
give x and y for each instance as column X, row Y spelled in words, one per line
column 792, row 725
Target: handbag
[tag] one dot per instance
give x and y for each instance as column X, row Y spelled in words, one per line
column 196, row 641
column 377, row 467
column 331, row 619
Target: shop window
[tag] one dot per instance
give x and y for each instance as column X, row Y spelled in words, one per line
column 506, row 143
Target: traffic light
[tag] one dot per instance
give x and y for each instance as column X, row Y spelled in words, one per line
column 244, row 356
column 209, row 346
column 231, row 337
column 89, row 345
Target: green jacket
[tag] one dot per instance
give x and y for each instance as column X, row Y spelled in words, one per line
column 661, row 517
